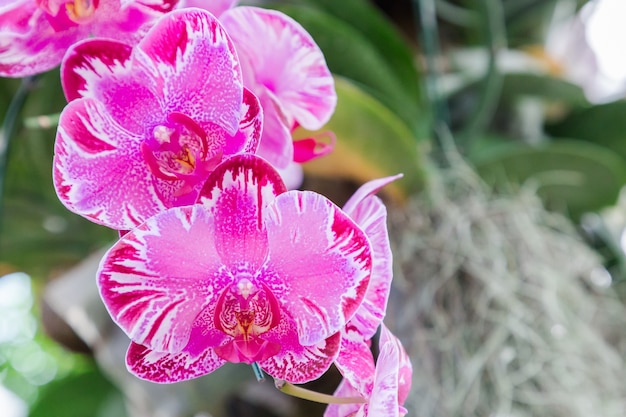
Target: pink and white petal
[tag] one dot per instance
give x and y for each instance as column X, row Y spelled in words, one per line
column 345, row 410
column 248, row 136
column 292, row 175
column 369, row 212
column 149, row 286
column 383, row 401
column 164, row 368
column 99, row 171
column 405, row 369
column 276, row 142
column 368, row 189
column 319, row 263
column 286, row 60
column 237, row 193
column 215, row 7
column 191, row 56
column 299, row 364
column 102, row 69
column 355, row 360
column 29, row 45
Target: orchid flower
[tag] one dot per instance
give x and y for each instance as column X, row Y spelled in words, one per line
column 285, row 68
column 34, row 34
column 385, row 385
column 252, row 273
column 146, row 125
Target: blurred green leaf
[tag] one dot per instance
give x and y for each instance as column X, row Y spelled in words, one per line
column 382, row 34
column 550, row 88
column 603, row 124
column 372, row 142
column 38, row 234
column 571, row 176
column 82, row 395
column 349, row 54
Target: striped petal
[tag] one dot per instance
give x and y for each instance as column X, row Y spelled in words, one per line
column 158, row 278
column 94, row 155
column 319, row 263
column 369, row 212
column 237, row 193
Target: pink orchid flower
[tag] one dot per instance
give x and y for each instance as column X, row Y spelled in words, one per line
column 146, row 125
column 385, row 385
column 251, row 273
column 34, row 34
column 370, row 213
column 286, row 69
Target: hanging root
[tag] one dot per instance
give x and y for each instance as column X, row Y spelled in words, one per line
column 504, row 310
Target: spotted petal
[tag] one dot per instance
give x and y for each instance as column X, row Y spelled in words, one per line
column 193, row 61
column 160, row 276
column 164, row 367
column 355, row 360
column 319, row 260
column 299, row 364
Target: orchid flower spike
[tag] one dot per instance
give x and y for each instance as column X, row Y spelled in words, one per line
column 34, row 34
column 146, row 125
column 250, row 273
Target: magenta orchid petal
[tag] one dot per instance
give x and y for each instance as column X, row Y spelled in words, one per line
column 150, row 292
column 355, row 360
column 299, row 364
column 276, row 145
column 93, row 156
column 243, row 184
column 288, row 63
column 248, row 136
column 165, row 367
column 35, row 34
column 101, row 69
column 369, row 212
column 307, row 149
column 191, row 56
column 316, row 245
column 216, row 7
column 405, row 369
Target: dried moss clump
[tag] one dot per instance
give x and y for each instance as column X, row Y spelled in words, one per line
column 504, row 310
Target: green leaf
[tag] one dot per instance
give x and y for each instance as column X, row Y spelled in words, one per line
column 571, row 176
column 372, row 142
column 603, row 124
column 86, row 394
column 382, row 34
column 544, row 86
column 349, row 54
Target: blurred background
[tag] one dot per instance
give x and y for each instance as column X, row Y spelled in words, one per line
column 508, row 120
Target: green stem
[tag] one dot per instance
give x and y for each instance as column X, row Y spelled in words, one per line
column 7, row 129
column 258, row 372
column 317, row 397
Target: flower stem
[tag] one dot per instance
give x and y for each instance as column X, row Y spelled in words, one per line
column 258, row 372
column 7, row 129
column 317, row 397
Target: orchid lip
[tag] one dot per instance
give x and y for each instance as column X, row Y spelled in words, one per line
column 178, row 149
column 245, row 311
